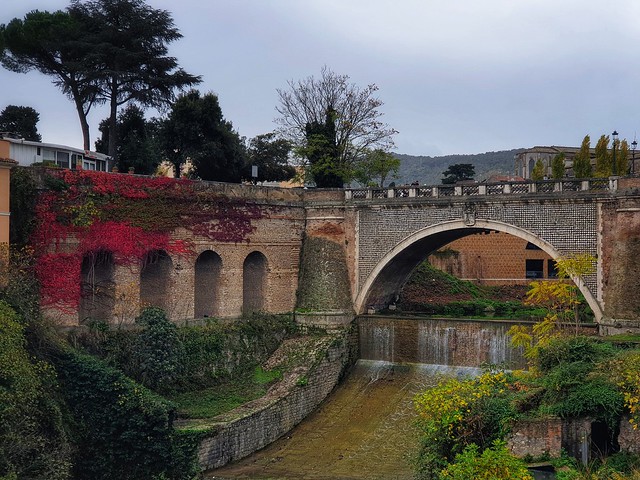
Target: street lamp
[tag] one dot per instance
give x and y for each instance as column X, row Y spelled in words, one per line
column 615, row 165
column 634, row 144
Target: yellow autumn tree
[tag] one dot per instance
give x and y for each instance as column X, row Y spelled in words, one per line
column 560, row 297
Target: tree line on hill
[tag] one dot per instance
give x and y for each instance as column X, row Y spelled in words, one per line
column 429, row 170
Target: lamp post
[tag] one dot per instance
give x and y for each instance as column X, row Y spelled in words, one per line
column 634, row 144
column 615, row 165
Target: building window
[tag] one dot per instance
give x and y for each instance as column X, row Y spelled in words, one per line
column 531, row 246
column 552, row 269
column 534, row 269
column 62, row 159
column 49, row 155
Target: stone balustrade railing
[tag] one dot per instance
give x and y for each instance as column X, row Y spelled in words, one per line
column 594, row 185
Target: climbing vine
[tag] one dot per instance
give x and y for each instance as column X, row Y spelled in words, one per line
column 83, row 212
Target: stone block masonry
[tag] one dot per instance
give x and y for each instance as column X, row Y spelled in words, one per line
column 326, row 250
column 239, row 433
column 568, row 226
column 491, row 258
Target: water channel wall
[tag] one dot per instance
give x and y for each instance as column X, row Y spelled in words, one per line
column 255, row 425
column 462, row 343
column 472, row 343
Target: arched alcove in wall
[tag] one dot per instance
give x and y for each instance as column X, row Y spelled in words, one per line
column 155, row 279
column 254, row 282
column 390, row 274
column 97, row 287
column 207, row 284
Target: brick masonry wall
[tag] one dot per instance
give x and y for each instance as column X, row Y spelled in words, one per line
column 278, row 236
column 549, row 436
column 493, row 258
column 255, row 425
column 570, row 225
column 620, row 256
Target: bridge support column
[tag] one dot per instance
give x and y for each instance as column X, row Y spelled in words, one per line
column 620, row 259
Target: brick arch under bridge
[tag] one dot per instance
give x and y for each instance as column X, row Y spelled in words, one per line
column 383, row 284
column 393, row 235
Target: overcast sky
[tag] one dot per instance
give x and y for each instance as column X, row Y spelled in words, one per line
column 455, row 76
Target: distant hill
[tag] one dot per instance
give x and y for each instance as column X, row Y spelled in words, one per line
column 428, row 170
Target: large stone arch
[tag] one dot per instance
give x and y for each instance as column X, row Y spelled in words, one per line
column 155, row 279
column 97, row 287
column 390, row 274
column 207, row 284
column 254, row 282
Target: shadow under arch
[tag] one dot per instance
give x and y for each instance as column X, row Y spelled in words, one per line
column 97, row 287
column 255, row 270
column 208, row 270
column 155, row 279
column 392, row 271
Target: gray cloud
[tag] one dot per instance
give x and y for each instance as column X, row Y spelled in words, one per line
column 456, row 77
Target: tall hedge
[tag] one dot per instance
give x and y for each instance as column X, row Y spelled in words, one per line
column 124, row 431
column 33, row 439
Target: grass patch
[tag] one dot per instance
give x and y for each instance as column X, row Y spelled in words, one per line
column 623, row 338
column 226, row 396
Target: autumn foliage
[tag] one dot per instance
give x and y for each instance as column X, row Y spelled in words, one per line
column 82, row 213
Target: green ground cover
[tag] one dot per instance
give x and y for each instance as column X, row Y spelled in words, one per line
column 226, row 396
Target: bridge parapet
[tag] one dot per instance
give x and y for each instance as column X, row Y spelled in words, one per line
column 590, row 185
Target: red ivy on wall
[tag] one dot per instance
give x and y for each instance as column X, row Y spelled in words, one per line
column 82, row 213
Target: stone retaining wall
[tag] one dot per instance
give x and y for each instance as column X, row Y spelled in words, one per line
column 536, row 438
column 255, row 425
column 628, row 438
column 549, row 436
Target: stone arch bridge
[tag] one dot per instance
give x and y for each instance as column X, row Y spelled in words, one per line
column 339, row 252
column 393, row 230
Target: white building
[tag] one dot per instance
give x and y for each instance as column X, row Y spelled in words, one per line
column 26, row 153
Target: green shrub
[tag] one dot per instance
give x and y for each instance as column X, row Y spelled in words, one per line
column 596, row 398
column 572, row 385
column 33, row 439
column 573, row 349
column 619, row 466
column 23, row 200
column 196, row 357
column 158, row 351
column 21, row 290
column 124, row 431
column 494, row 463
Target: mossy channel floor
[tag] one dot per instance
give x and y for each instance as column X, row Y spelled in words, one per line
column 364, row 430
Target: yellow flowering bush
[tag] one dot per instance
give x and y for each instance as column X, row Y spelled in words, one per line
column 625, row 370
column 456, row 413
column 443, row 407
column 562, row 300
